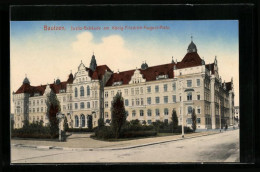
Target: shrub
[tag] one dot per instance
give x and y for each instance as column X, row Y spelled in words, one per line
column 104, row 132
column 34, row 130
column 79, row 130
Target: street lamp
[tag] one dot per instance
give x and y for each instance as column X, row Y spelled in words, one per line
column 59, row 116
column 182, row 126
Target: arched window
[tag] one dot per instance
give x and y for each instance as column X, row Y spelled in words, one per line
column 81, row 91
column 189, row 110
column 88, row 91
column 76, row 92
column 82, row 120
column 76, row 121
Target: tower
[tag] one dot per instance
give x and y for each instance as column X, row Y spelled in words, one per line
column 93, row 63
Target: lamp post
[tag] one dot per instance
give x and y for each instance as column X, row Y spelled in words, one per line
column 59, row 116
column 182, row 126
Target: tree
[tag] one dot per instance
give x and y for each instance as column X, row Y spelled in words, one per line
column 65, row 124
column 194, row 120
column 53, row 107
column 101, row 123
column 118, row 114
column 89, row 122
column 175, row 120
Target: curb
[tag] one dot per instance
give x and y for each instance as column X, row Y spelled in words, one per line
column 104, row 149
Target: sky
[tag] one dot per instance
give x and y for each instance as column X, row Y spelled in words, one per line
column 45, row 55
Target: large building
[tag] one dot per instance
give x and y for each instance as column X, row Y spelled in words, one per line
column 150, row 94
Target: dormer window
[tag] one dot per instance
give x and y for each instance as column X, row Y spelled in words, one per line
column 161, row 77
column 117, row 83
column 36, row 94
column 62, row 91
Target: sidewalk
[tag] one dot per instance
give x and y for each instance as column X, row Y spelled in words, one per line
column 84, row 142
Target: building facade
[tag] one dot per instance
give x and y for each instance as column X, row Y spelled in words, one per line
column 150, row 94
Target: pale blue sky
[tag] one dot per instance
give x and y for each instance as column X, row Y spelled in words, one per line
column 45, row 55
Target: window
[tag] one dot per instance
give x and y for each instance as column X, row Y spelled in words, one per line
column 189, row 96
column 132, row 91
column 33, row 103
column 189, row 83
column 41, row 109
column 157, row 100
column 189, row 110
column 141, row 113
column 81, row 91
column 141, row 90
column 106, row 94
column 198, row 82
column 126, row 102
column 137, row 102
column 88, row 91
column 189, row 121
column 76, row 121
column 37, row 109
column 126, row 91
column 165, row 87
column 157, row 88
column 76, row 105
column 41, row 101
column 166, row 111
column 174, row 98
column 112, row 93
column 64, row 99
column 198, row 97
column 180, row 98
column 148, row 100
column 82, row 105
column 33, row 109
column 133, row 102
column 133, row 113
column 106, row 114
column 198, row 120
column 126, row 113
column 88, row 104
column 198, row 110
column 136, row 91
column 82, row 120
column 149, row 122
column 174, row 86
column 157, row 112
column 37, row 102
column 165, row 98
column 29, row 110
column 142, row 101
column 149, row 112
column 76, row 92
column 148, row 89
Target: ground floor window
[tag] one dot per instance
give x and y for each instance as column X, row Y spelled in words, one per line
column 189, row 121
column 82, row 120
column 198, row 120
column 76, row 121
column 149, row 121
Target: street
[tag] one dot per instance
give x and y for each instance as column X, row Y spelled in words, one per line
column 222, row 147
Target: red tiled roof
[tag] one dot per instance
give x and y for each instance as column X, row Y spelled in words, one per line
column 149, row 74
column 26, row 88
column 190, row 60
column 99, row 72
